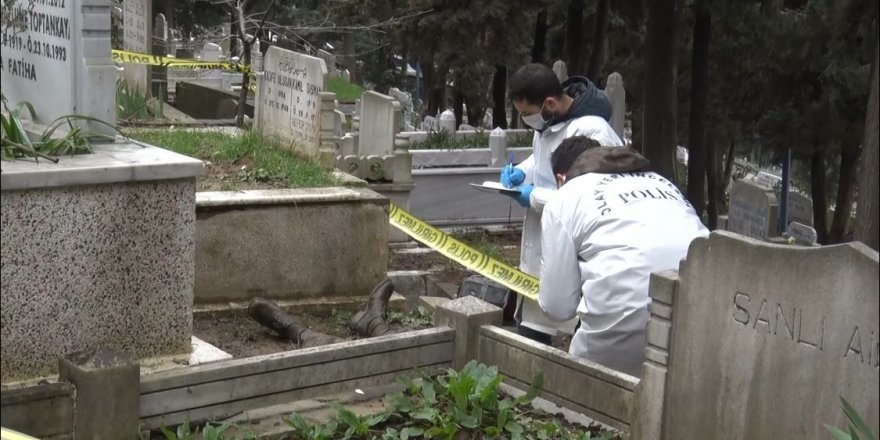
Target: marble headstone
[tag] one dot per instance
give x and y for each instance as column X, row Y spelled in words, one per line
column 288, row 101
column 61, row 62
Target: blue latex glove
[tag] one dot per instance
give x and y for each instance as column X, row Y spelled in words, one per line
column 523, row 197
column 512, row 176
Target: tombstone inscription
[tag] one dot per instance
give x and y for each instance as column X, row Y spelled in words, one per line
column 752, row 210
column 137, row 37
column 288, row 101
column 765, row 340
column 60, row 61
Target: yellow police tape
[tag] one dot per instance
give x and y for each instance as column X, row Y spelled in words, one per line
column 121, row 56
column 8, row 434
column 514, row 279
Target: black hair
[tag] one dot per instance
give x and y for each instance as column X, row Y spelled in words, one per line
column 568, row 151
column 533, row 83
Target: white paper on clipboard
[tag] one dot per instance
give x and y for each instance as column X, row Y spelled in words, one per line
column 490, row 186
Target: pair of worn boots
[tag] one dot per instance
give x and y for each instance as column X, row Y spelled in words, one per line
column 369, row 321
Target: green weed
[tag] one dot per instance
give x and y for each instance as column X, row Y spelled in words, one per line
column 263, row 160
column 344, row 90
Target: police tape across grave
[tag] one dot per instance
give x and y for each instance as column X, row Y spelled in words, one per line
column 121, row 56
column 514, row 279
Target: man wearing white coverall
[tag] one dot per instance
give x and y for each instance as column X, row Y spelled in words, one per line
column 556, row 112
column 610, row 225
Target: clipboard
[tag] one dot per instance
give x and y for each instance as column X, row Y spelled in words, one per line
column 496, row 187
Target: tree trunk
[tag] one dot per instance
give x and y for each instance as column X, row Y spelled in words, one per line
column 817, row 191
column 539, row 44
column 499, row 95
column 597, row 56
column 475, row 111
column 349, row 60
column 458, row 104
column 866, row 225
column 659, row 120
column 726, row 173
column 574, row 33
column 233, row 28
column 514, row 118
column 849, row 156
column 699, row 93
column 245, row 83
column 713, row 165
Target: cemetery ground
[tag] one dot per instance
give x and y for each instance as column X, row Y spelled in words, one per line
column 240, row 161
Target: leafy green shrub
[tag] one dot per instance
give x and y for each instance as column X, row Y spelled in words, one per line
column 131, row 104
column 858, row 429
column 16, row 143
column 445, row 407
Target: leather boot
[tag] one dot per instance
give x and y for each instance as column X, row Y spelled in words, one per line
column 286, row 325
column 370, row 321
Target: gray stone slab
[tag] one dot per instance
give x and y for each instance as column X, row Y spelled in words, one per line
column 379, row 123
column 766, row 339
column 107, row 394
column 752, row 210
column 110, row 163
column 288, row 99
column 137, row 35
column 802, row 234
column 93, row 266
column 800, row 209
column 40, row 410
column 443, row 197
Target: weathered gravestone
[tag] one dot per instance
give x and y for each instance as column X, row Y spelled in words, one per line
column 380, row 122
column 763, row 340
column 137, row 37
column 800, row 209
column 60, row 62
column 159, row 74
column 288, row 102
column 617, row 95
column 802, row 234
column 753, row 210
column 329, row 60
column 211, row 52
column 768, row 180
column 561, row 70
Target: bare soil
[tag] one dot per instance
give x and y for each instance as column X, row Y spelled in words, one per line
column 241, row 336
column 224, row 177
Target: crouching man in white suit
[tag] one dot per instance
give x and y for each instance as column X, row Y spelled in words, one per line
column 608, row 227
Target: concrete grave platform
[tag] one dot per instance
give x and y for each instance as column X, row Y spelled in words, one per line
column 292, row 244
column 97, row 252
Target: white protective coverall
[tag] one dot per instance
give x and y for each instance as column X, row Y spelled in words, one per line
column 539, row 172
column 604, row 234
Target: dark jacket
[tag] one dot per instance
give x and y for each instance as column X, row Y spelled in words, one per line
column 607, row 160
column 588, row 101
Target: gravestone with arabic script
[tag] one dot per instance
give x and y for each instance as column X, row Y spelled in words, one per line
column 137, row 37
column 288, row 102
column 60, row 61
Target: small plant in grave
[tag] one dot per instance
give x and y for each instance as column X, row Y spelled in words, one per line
column 858, row 429
column 419, row 318
column 16, row 143
column 456, row 405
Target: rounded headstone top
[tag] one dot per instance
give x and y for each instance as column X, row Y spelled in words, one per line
column 497, row 132
column 447, row 120
column 615, row 79
column 447, row 115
